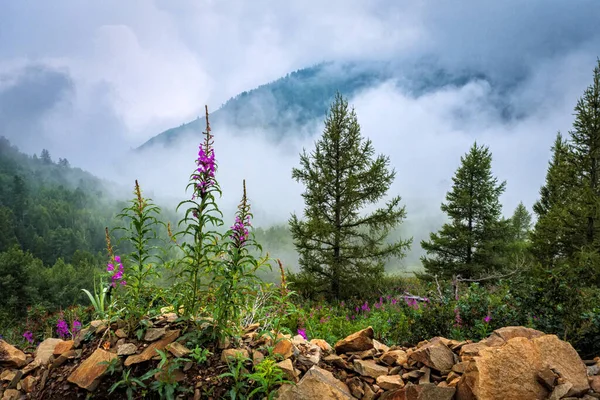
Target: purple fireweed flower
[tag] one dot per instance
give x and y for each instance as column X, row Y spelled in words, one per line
column 28, row 335
column 457, row 319
column 76, row 326
column 240, row 229
column 302, row 332
column 206, row 169
column 487, row 318
column 117, row 259
column 342, row 304
column 394, row 301
column 110, row 268
column 62, row 328
column 117, row 276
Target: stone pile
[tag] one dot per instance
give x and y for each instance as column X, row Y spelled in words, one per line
column 512, row 363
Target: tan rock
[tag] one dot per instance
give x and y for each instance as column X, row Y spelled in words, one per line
column 390, row 382
column 358, row 341
column 7, row 375
column 98, row 326
column 560, row 391
column 257, row 357
column 308, row 354
column 45, row 350
column 316, row 384
column 510, row 372
column 252, row 327
column 177, row 349
column 63, row 347
column 121, row 334
column 88, row 374
column 380, row 347
column 126, row 349
column 502, row 335
column 435, row 355
column 356, row 387
column 288, row 369
column 27, row 383
column 369, row 368
column 150, row 351
column 595, row 383
column 394, row 357
column 230, row 355
column 325, row 347
column 11, row 394
column 284, row 348
column 10, row 356
column 153, row 334
column 428, row 391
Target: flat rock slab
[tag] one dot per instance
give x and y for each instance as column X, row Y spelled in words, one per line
column 150, row 351
column 358, row 341
column 45, row 350
column 87, row 375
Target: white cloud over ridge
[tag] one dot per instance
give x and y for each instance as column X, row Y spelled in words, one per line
column 107, row 76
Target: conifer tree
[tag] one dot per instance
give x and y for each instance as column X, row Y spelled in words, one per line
column 341, row 248
column 551, row 238
column 521, row 223
column 474, row 241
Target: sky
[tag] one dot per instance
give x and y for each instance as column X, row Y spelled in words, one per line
column 91, row 80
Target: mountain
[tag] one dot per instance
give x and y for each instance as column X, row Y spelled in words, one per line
column 302, row 98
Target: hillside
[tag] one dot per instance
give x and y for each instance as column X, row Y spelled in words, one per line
column 303, row 97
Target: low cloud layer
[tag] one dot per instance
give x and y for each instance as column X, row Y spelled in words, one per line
column 92, row 81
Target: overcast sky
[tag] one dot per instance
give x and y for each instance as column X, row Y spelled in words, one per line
column 90, row 80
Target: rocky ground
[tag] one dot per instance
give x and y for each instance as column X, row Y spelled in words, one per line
column 512, row 363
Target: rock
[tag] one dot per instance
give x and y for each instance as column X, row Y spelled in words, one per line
column 547, row 377
column 63, row 347
column 595, row 383
column 126, row 349
column 150, row 351
column 7, row 375
column 316, row 384
column 358, row 341
column 435, row 355
column 178, row 350
column 470, row 350
column 153, row 334
column 325, row 347
column 284, row 348
column 390, row 382
column 88, row 374
column 288, row 369
column 420, row 392
column 380, row 347
column 369, row 368
column 98, row 326
column 230, row 355
column 356, row 387
column 308, row 354
column 257, row 357
column 459, row 367
column 511, row 371
column 394, row 357
column 502, row 335
column 79, row 336
column 11, row 394
column 336, row 361
column 45, row 350
column 27, row 383
column 560, row 391
column 170, row 317
column 121, row 334
column 369, row 393
column 10, row 356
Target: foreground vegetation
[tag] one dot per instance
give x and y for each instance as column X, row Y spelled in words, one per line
column 482, row 271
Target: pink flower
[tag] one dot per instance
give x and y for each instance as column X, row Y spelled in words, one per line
column 487, row 318
column 302, row 332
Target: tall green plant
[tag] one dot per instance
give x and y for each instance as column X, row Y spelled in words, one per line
column 142, row 221
column 201, row 214
column 235, row 277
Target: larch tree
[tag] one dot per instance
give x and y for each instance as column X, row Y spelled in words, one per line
column 474, row 240
column 341, row 247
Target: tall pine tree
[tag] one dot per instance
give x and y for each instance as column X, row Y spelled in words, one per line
column 340, row 247
column 552, row 238
column 474, row 241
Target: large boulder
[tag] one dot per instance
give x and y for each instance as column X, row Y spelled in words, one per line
column 510, row 371
column 358, row 341
column 10, row 356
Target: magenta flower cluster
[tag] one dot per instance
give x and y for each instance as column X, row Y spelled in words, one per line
column 302, row 332
column 240, row 229
column 28, row 335
column 118, row 275
column 62, row 328
column 206, row 169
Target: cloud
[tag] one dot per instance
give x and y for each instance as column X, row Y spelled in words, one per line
column 91, row 80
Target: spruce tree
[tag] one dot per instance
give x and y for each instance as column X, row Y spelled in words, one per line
column 340, row 247
column 474, row 241
column 521, row 224
column 552, row 237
